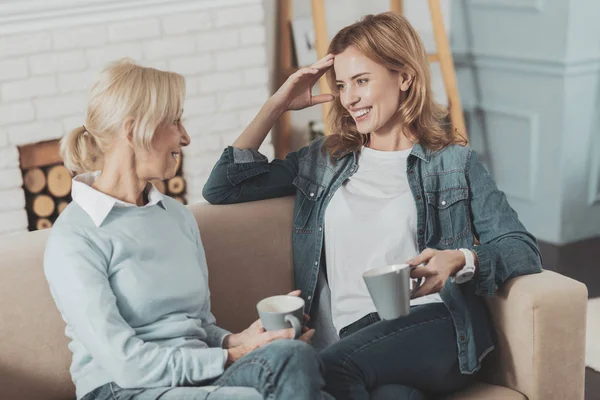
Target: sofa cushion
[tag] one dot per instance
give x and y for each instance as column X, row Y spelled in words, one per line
column 34, row 357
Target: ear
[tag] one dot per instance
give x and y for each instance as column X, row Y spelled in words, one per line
column 406, row 81
column 127, row 130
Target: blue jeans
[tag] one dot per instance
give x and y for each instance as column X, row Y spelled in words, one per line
column 284, row 369
column 410, row 358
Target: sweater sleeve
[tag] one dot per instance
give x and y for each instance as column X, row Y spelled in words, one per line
column 77, row 272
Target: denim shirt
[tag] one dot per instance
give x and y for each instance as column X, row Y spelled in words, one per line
column 457, row 201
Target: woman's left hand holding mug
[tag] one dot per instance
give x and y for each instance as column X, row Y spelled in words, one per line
column 255, row 336
column 439, row 265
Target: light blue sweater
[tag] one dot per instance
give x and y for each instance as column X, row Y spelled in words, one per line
column 134, row 294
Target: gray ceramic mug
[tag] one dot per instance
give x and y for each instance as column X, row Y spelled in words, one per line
column 390, row 289
column 282, row 312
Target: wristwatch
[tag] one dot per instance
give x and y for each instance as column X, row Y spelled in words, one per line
column 468, row 271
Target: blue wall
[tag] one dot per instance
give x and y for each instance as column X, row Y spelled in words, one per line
column 529, row 76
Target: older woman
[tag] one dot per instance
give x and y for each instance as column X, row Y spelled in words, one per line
column 127, row 269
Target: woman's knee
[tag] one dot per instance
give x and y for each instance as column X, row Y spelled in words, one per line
column 294, row 353
column 334, row 357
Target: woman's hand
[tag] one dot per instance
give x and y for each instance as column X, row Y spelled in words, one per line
column 255, row 336
column 296, row 91
column 439, row 266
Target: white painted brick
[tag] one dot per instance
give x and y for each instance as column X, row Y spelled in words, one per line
column 220, row 82
column 11, row 179
column 162, row 48
column 13, row 68
column 76, row 81
column 193, row 198
column 24, row 44
column 156, row 64
column 191, row 86
column 239, row 16
column 84, row 37
column 220, row 40
column 202, row 142
column 198, row 128
column 194, row 185
column 252, row 35
column 201, row 165
column 70, row 123
column 184, row 23
column 13, row 221
column 16, row 112
column 60, row 106
column 199, row 106
column 227, row 138
column 3, row 138
column 9, row 157
column 224, row 121
column 246, row 116
column 241, row 58
column 192, row 65
column 50, row 63
column 12, row 199
column 34, row 132
column 132, row 30
column 29, row 88
column 256, row 76
column 267, row 148
column 103, row 56
column 242, row 99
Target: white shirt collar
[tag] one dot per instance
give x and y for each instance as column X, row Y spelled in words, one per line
column 97, row 204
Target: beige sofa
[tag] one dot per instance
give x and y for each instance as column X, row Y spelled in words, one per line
column 540, row 318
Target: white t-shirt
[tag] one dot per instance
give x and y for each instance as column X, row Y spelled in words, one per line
column 370, row 222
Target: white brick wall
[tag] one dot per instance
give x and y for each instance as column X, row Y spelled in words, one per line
column 45, row 75
column 28, row 88
column 67, row 61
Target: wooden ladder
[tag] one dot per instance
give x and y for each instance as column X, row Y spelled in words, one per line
column 283, row 137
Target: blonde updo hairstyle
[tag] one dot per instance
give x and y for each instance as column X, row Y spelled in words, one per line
column 122, row 91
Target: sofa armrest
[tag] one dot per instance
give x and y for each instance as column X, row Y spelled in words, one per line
column 540, row 323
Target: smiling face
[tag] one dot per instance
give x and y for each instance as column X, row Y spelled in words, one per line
column 160, row 161
column 369, row 91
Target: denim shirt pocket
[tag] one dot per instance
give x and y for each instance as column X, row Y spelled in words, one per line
column 448, row 216
column 306, row 202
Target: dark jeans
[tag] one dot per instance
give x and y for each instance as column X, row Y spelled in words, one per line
column 412, row 357
column 283, row 369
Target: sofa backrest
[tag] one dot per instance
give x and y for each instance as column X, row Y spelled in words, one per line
column 248, row 248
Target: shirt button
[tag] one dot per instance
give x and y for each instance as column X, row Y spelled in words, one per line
column 462, row 338
column 412, row 171
column 312, row 195
column 443, row 202
column 320, row 229
column 418, row 197
column 316, row 263
column 309, row 297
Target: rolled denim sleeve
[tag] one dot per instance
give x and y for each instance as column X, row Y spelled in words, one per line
column 507, row 249
column 242, row 175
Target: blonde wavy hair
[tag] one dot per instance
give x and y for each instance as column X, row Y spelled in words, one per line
column 390, row 40
column 123, row 91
